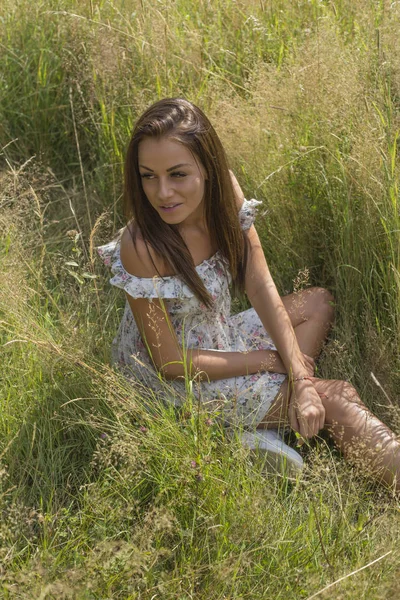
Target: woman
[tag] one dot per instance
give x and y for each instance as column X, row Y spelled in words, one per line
column 190, row 236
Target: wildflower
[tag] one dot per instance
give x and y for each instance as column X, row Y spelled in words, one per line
column 143, row 429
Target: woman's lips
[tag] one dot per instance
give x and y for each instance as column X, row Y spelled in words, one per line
column 170, row 208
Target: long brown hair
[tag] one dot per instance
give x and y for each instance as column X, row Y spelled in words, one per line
column 183, row 122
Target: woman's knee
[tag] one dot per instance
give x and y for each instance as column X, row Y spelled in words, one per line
column 311, row 303
column 322, row 303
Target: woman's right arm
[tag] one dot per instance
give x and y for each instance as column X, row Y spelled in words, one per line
column 166, row 351
column 173, row 360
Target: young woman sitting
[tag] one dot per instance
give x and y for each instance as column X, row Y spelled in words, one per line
column 189, row 240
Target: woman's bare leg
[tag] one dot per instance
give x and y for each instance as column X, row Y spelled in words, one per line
column 311, row 312
column 361, row 436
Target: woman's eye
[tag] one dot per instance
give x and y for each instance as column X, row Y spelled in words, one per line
column 178, row 174
column 146, row 175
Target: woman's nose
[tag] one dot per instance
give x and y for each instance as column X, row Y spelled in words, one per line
column 165, row 188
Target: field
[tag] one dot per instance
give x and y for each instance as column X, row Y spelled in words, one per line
column 100, row 498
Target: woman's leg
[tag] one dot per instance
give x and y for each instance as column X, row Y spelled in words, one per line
column 361, row 436
column 311, row 312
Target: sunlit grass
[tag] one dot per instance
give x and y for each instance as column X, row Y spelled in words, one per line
column 101, row 497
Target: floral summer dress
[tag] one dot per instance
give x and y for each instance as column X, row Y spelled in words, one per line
column 244, row 399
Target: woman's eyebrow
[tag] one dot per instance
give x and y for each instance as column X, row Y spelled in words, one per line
column 170, row 169
column 178, row 166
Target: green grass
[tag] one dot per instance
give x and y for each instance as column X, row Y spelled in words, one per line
column 100, row 498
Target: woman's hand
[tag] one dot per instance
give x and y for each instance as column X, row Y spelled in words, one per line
column 306, row 411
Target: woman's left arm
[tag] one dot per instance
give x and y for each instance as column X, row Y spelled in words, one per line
column 264, row 297
column 306, row 412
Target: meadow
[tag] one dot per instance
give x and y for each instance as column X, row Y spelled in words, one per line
column 100, row 498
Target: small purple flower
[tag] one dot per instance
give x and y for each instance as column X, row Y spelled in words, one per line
column 103, row 436
column 194, row 464
column 143, row 429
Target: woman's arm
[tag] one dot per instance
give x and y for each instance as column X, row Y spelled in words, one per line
column 264, row 297
column 306, row 411
column 173, row 360
column 266, row 301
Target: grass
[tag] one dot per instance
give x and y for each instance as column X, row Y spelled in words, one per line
column 99, row 497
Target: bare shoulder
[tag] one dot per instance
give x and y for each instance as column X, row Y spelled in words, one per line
column 138, row 258
column 238, row 190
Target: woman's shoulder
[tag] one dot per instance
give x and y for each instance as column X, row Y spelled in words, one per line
column 247, row 209
column 134, row 271
column 237, row 191
column 137, row 257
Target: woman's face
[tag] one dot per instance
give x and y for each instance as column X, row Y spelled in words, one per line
column 173, row 180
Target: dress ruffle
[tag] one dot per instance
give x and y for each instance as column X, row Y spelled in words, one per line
column 169, row 286
column 248, row 212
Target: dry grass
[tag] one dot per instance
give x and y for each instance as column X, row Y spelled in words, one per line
column 101, row 499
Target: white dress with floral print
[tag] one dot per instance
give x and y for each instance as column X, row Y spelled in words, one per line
column 244, row 399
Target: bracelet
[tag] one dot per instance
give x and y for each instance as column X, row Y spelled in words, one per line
column 301, row 378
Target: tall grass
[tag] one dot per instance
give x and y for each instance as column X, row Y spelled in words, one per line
column 99, row 497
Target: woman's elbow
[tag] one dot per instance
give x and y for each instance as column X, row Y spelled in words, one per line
column 171, row 370
column 179, row 369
